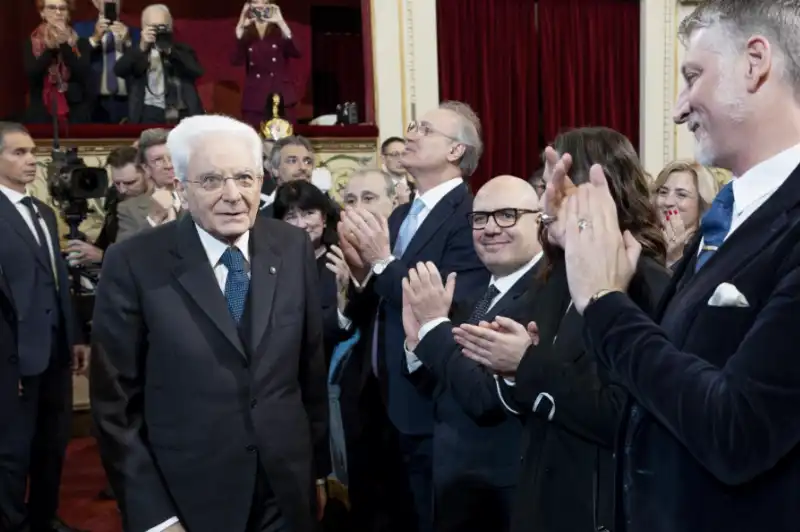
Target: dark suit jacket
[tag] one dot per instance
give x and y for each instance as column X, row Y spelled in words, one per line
column 9, row 357
column 475, row 442
column 78, row 95
column 85, row 29
column 712, row 438
column 39, row 304
column 187, row 406
column 444, row 238
column 133, row 67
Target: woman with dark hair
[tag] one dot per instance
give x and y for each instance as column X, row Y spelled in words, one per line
column 572, row 408
column 57, row 66
column 303, row 205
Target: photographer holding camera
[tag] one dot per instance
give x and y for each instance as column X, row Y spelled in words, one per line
column 160, row 73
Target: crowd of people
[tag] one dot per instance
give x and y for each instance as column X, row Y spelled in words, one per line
column 586, row 349
column 103, row 71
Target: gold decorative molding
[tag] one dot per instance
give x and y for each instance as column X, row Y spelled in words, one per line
column 411, row 64
column 670, row 69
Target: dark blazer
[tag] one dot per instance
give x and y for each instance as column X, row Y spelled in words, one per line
column 566, row 477
column 133, row 67
column 78, row 95
column 444, row 238
column 41, row 307
column 475, row 444
column 267, row 68
column 85, row 29
column 711, row 441
column 9, row 357
column 186, row 420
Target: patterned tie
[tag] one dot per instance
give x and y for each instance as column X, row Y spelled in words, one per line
column 237, row 284
column 408, row 228
column 111, row 60
column 484, row 304
column 716, row 224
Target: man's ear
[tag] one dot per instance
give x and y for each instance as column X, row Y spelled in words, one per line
column 456, row 152
column 760, row 61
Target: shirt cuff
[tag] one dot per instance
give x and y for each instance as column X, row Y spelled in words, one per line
column 359, row 286
column 151, row 222
column 500, row 395
column 428, row 326
column 412, row 362
column 344, row 322
column 509, row 382
column 94, row 43
column 165, row 525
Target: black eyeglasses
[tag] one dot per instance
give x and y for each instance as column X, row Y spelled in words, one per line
column 504, row 218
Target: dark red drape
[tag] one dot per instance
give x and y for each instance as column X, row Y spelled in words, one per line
column 589, row 65
column 338, row 74
column 488, row 58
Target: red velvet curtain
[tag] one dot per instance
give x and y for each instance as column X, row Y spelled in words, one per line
column 488, row 58
column 589, row 65
column 338, row 73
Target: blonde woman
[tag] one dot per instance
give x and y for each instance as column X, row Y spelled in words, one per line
column 682, row 193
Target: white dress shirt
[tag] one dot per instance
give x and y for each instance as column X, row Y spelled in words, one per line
column 214, row 249
column 503, row 285
column 16, row 199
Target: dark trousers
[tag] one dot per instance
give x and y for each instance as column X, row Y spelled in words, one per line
column 110, row 109
column 417, row 454
column 32, row 447
column 157, row 115
column 467, row 506
column 265, row 515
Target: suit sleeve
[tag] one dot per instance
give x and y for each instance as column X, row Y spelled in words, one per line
column 79, row 63
column 239, row 54
column 313, row 373
column 737, row 420
column 185, row 63
column 117, row 388
column 470, row 383
column 458, row 256
column 133, row 63
column 36, row 67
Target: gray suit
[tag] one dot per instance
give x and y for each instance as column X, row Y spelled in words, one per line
column 132, row 216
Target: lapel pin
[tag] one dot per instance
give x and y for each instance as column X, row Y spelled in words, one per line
column 272, row 270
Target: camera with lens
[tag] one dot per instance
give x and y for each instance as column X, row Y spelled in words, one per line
column 163, row 36
column 71, row 184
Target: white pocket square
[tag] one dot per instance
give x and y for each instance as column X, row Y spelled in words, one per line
column 727, row 295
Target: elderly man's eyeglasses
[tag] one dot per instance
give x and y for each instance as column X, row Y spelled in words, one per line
column 214, row 182
column 53, row 7
column 504, row 218
column 425, row 129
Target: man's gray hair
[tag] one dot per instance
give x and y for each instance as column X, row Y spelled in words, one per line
column 469, row 134
column 777, row 20
column 294, row 140
column 182, row 138
column 156, row 7
column 387, row 177
column 148, row 139
column 6, row 128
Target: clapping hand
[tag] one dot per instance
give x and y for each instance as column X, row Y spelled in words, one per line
column 499, row 346
column 368, row 233
column 336, row 262
column 558, row 187
column 426, row 297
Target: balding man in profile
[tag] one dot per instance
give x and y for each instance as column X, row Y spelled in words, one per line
column 475, row 441
column 208, row 387
column 160, row 73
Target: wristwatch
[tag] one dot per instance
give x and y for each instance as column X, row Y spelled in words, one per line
column 381, row 265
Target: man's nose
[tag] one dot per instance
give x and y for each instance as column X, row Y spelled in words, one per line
column 230, row 191
column 680, row 112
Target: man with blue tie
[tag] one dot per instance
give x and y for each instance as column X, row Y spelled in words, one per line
column 442, row 150
column 109, row 40
column 712, row 436
column 208, row 389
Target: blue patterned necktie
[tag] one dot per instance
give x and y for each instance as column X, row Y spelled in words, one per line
column 481, row 309
column 716, row 224
column 408, row 228
column 111, row 60
column 237, row 284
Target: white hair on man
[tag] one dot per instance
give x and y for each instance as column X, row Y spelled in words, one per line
column 182, row 139
column 156, row 7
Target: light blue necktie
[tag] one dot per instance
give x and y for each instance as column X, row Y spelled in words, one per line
column 716, row 224
column 408, row 228
column 237, row 284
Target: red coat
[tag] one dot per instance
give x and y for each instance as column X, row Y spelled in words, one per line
column 267, row 64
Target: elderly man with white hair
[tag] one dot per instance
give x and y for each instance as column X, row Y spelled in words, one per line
column 160, row 73
column 209, row 383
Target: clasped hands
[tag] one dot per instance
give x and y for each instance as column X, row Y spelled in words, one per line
column 499, row 345
column 363, row 239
